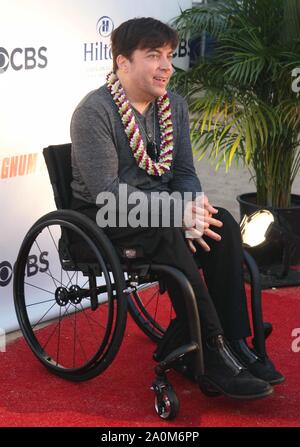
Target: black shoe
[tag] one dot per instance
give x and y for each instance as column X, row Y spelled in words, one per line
column 262, row 368
column 226, row 374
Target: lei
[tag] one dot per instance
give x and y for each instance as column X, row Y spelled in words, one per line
column 133, row 132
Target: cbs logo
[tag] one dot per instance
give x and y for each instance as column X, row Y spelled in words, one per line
column 19, row 58
column 5, row 273
column 183, row 49
column 34, row 265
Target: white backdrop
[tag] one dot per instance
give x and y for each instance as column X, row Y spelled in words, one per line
column 51, row 55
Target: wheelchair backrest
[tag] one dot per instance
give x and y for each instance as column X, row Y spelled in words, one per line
column 58, row 161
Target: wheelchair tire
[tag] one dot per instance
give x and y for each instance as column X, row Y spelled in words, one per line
column 72, row 321
column 166, row 404
column 151, row 309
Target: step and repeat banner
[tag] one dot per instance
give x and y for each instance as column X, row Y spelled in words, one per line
column 52, row 53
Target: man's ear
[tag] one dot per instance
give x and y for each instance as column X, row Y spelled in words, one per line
column 122, row 63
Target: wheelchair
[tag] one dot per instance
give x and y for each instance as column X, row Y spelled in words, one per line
column 73, row 289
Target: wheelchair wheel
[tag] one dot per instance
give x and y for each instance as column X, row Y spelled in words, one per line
column 68, row 295
column 166, row 403
column 151, row 308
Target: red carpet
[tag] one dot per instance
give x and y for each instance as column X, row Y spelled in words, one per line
column 31, row 396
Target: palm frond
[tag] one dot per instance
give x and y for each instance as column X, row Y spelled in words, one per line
column 210, row 18
column 241, row 100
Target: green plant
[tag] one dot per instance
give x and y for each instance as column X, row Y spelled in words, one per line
column 241, row 100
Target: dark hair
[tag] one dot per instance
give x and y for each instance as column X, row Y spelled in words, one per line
column 141, row 33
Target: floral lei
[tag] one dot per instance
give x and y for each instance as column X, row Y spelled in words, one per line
column 133, row 132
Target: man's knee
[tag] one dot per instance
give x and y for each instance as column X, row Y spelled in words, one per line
column 171, row 234
column 229, row 223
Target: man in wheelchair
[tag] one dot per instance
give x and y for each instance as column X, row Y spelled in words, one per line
column 133, row 131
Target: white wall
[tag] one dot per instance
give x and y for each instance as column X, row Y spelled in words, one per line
column 43, row 75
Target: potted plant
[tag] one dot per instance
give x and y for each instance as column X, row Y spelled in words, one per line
column 241, row 97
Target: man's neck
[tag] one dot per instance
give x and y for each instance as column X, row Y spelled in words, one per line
column 140, row 104
column 142, row 109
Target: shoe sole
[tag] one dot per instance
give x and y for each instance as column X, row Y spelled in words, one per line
column 239, row 397
column 277, row 381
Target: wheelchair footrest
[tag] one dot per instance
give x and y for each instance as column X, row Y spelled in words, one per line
column 174, row 357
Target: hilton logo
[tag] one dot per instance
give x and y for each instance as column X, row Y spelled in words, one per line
column 105, row 26
column 101, row 50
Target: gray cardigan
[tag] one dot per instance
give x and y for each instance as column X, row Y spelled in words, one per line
column 102, row 158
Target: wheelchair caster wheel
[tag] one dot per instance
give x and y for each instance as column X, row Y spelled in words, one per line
column 166, row 404
column 208, row 389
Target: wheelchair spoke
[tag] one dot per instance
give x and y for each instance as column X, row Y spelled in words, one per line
column 58, row 338
column 91, row 319
column 67, row 297
column 145, row 306
column 55, row 246
column 74, row 336
column 39, row 321
column 151, row 299
column 72, row 318
column 57, row 280
column 39, row 302
column 79, row 340
column 50, row 274
column 148, row 307
column 83, row 286
column 37, row 287
column 70, row 280
column 56, row 328
column 156, row 307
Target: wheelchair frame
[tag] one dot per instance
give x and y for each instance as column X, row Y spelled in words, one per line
column 119, row 292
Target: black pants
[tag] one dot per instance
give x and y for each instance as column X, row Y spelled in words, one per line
column 222, row 300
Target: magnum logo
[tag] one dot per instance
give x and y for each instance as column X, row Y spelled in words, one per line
column 19, row 165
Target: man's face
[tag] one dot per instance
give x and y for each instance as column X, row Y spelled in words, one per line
column 149, row 72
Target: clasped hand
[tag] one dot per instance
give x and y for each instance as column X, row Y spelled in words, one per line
column 198, row 217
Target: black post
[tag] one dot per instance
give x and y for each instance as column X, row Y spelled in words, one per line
column 256, row 305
